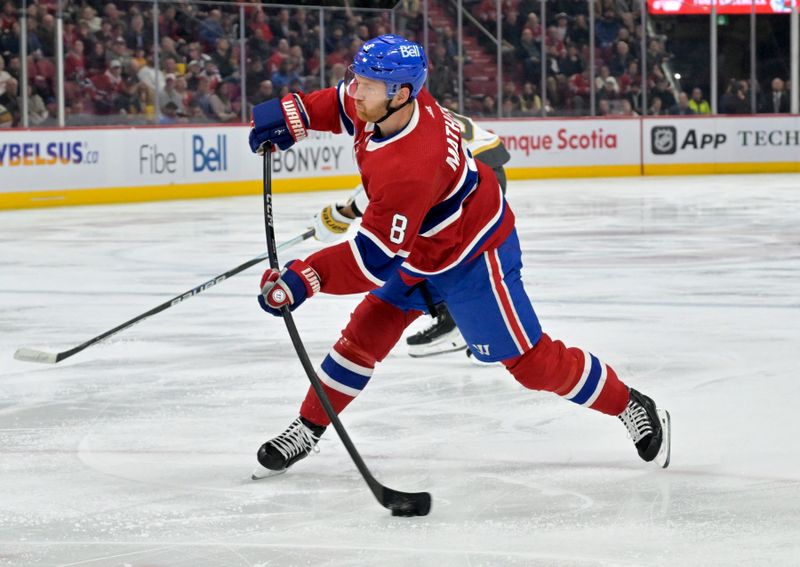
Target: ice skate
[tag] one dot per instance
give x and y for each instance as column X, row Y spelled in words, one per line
column 649, row 427
column 281, row 452
column 441, row 337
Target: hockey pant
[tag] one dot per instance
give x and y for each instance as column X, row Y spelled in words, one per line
column 488, row 302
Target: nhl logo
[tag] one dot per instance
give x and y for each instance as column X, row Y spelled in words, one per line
column 664, row 140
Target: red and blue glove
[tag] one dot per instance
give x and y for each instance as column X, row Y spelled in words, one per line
column 291, row 287
column 282, row 122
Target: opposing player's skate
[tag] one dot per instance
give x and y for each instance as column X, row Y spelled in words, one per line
column 649, row 427
column 281, row 452
column 442, row 336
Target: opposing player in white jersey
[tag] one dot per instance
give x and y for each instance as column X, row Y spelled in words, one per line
column 436, row 216
column 333, row 221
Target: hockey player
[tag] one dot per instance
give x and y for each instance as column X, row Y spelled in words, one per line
column 334, row 220
column 435, row 215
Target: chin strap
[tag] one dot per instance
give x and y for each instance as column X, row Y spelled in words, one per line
column 390, row 110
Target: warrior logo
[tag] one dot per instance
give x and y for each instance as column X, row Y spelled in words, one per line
column 664, row 140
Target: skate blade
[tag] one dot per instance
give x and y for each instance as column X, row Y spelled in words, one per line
column 449, row 342
column 260, row 473
column 664, row 453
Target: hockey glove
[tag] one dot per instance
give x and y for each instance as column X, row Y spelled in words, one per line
column 330, row 224
column 282, row 122
column 291, row 287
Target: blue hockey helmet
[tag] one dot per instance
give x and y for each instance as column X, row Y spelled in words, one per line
column 394, row 60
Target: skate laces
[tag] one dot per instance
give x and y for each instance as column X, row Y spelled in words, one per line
column 295, row 440
column 636, row 420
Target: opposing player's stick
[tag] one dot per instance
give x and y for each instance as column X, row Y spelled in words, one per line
column 400, row 503
column 34, row 355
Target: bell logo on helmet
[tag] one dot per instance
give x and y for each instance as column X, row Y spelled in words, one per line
column 409, row 51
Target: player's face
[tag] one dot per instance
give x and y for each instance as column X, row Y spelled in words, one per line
column 369, row 96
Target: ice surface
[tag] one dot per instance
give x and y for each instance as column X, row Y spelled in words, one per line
column 138, row 451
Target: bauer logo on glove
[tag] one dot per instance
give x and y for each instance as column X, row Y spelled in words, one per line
column 289, row 287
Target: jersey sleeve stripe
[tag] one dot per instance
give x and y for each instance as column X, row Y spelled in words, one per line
column 347, row 123
column 448, row 211
column 362, row 267
column 377, row 242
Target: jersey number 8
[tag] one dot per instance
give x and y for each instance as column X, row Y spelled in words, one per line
column 398, row 233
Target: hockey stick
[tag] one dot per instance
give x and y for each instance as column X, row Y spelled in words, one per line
column 34, row 355
column 400, row 503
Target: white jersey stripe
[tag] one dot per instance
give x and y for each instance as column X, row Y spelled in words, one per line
column 360, row 262
column 587, row 367
column 377, row 241
column 528, row 343
column 470, row 248
column 496, row 293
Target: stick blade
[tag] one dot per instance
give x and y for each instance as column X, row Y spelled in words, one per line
column 407, row 503
column 34, row 355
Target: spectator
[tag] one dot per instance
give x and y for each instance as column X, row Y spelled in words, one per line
column 619, row 63
column 265, row 92
column 280, row 25
column 8, row 17
column 443, row 77
column 663, row 91
column 606, row 29
column 137, row 37
column 530, row 54
column 284, row 75
column 681, row 108
column 604, row 79
column 222, row 58
column 170, row 95
column 530, row 99
column 733, row 100
column 211, row 29
column 579, row 34
column 281, row 53
column 260, row 23
column 202, row 98
column 777, row 100
column 109, row 89
column 258, row 45
column 571, row 63
column 656, row 107
column 46, row 34
column 37, row 111
column 5, row 76
column 169, row 114
column 75, row 62
column 626, row 109
column 603, row 107
column 634, row 97
column 698, row 104
column 221, row 109
column 488, row 106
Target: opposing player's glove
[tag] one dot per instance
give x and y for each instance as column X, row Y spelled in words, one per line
column 330, row 224
column 291, row 287
column 282, row 122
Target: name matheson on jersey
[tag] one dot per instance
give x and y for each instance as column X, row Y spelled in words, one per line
column 452, row 132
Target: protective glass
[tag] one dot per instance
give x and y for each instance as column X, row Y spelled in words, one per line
column 361, row 88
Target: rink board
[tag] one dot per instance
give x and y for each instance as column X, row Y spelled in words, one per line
column 77, row 166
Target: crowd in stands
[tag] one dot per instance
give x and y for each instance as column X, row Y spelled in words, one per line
column 110, row 60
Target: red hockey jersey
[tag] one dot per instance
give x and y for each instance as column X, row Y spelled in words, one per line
column 431, row 205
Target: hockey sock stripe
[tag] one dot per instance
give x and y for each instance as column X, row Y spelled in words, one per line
column 335, row 385
column 597, row 391
column 342, row 379
column 502, row 299
column 588, row 383
column 341, row 360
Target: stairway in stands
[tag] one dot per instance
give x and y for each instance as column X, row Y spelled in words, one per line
column 480, row 67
